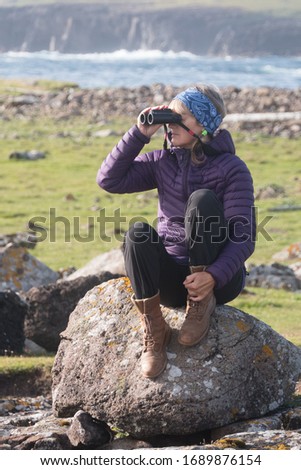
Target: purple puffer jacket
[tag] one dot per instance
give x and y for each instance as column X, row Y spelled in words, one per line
column 175, row 177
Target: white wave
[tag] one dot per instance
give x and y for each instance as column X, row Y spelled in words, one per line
column 273, row 70
column 121, row 54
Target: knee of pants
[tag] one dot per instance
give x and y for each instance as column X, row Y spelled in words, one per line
column 139, row 232
column 201, row 197
column 206, row 203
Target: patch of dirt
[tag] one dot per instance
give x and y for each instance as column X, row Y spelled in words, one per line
column 30, row 384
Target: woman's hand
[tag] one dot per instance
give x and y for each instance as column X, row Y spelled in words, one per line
column 199, row 285
column 146, row 129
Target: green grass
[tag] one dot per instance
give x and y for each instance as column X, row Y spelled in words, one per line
column 276, row 6
column 61, row 186
column 60, row 194
column 19, row 365
column 15, row 87
column 278, row 308
column 275, row 161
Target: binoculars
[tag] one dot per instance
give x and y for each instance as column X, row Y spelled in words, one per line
column 160, row 116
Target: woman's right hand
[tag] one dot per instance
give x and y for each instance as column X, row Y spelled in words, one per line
column 146, row 129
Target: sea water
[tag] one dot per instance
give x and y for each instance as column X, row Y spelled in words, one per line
column 135, row 68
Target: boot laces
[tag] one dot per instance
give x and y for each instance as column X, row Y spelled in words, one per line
column 149, row 342
column 195, row 310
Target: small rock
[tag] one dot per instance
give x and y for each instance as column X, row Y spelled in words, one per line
column 27, row 155
column 88, row 432
column 274, row 276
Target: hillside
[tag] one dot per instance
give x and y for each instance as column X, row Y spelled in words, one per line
column 279, row 7
column 101, row 27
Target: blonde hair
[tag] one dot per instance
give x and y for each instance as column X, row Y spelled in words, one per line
column 215, row 96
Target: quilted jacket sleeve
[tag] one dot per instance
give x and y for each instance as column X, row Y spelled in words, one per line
column 240, row 213
column 123, row 171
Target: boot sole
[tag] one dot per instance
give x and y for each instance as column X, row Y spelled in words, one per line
column 196, row 341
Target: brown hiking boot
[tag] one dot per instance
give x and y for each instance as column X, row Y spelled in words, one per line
column 197, row 320
column 157, row 334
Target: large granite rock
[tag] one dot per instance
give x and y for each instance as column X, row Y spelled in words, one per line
column 242, row 370
column 111, row 261
column 12, row 313
column 49, row 308
column 20, row 271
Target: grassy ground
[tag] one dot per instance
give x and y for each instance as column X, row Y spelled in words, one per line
column 19, row 365
column 14, row 87
column 276, row 6
column 25, row 376
column 59, row 193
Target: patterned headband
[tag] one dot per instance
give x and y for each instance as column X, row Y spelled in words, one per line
column 202, row 108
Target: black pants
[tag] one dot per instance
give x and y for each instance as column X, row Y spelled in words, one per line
column 150, row 268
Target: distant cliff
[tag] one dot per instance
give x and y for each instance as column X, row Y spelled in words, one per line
column 86, row 28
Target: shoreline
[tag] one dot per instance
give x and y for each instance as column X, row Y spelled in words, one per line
column 267, row 110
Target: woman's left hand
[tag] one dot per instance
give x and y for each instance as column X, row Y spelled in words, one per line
column 199, row 285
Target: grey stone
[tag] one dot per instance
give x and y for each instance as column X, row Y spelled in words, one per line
column 35, row 431
column 88, row 432
column 244, row 369
column 292, row 419
column 291, row 252
column 33, row 349
column 296, row 267
column 32, row 429
column 26, row 239
column 265, row 423
column 27, row 155
column 247, row 108
column 270, row 191
column 274, row 276
column 49, row 308
column 111, row 261
column 127, row 443
column 12, row 314
column 264, row 440
column 20, row 271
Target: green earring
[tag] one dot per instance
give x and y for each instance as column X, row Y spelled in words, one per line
column 204, row 133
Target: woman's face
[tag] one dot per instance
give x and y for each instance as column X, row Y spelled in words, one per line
column 179, row 136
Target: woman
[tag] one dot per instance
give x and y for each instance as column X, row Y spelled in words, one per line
column 205, row 227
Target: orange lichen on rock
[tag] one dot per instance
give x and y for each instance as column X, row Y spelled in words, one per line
column 242, row 326
column 265, row 353
column 127, row 284
column 233, row 443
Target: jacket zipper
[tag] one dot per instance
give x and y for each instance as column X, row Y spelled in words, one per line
column 185, row 181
